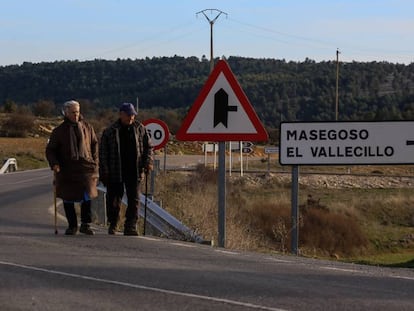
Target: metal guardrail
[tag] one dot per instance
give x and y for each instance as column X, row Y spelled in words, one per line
column 161, row 221
column 9, row 165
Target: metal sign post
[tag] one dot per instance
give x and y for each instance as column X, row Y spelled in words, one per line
column 295, row 210
column 268, row 150
column 222, row 194
column 241, row 158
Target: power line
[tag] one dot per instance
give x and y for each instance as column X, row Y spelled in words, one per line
column 293, row 39
column 211, row 21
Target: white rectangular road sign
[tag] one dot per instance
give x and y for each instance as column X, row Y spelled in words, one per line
column 235, row 145
column 332, row 143
column 210, row 147
column 271, row 149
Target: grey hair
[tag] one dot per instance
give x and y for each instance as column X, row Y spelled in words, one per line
column 69, row 104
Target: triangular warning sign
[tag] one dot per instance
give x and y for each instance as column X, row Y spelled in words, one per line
column 222, row 111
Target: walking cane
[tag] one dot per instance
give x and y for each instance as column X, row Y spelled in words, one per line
column 146, row 200
column 54, row 200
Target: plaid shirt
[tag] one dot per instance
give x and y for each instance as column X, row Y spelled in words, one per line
column 110, row 153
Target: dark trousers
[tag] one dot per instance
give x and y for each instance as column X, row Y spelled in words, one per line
column 114, row 194
column 86, row 213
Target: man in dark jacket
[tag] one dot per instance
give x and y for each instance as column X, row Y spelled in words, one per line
column 72, row 153
column 125, row 155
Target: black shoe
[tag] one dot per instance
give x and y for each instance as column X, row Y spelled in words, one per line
column 112, row 230
column 130, row 231
column 71, row 231
column 85, row 229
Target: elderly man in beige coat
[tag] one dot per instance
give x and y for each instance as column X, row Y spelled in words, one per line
column 72, row 153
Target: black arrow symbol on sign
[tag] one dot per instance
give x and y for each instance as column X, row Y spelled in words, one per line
column 222, row 108
column 410, row 142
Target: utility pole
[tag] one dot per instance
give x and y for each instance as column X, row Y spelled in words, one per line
column 221, row 146
column 211, row 21
column 337, row 85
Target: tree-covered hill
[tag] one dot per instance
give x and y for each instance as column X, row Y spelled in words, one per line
column 277, row 89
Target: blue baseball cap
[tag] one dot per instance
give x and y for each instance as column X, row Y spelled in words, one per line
column 128, row 108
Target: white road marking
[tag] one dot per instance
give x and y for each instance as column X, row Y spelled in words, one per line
column 226, row 252
column 142, row 287
column 278, row 260
column 27, row 181
column 403, row 277
column 340, row 269
column 51, row 211
column 149, row 239
column 362, row 272
column 183, row 245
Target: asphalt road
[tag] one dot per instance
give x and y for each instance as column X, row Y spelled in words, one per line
column 43, row 271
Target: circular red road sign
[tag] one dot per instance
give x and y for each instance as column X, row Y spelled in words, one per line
column 158, row 131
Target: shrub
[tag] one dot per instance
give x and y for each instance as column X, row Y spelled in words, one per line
column 273, row 222
column 202, row 175
column 18, row 125
column 43, row 108
column 331, row 233
column 320, row 230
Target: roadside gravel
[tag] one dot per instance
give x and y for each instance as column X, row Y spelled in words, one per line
column 339, row 181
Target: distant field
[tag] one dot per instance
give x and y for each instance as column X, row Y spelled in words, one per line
column 29, row 152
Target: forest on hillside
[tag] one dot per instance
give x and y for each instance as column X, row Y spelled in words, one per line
column 167, row 86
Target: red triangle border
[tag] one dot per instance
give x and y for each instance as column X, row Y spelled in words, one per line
column 222, row 67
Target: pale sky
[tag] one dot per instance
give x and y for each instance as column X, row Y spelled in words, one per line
column 56, row 30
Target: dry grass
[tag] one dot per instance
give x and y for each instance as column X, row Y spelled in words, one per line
column 29, row 152
column 339, row 223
